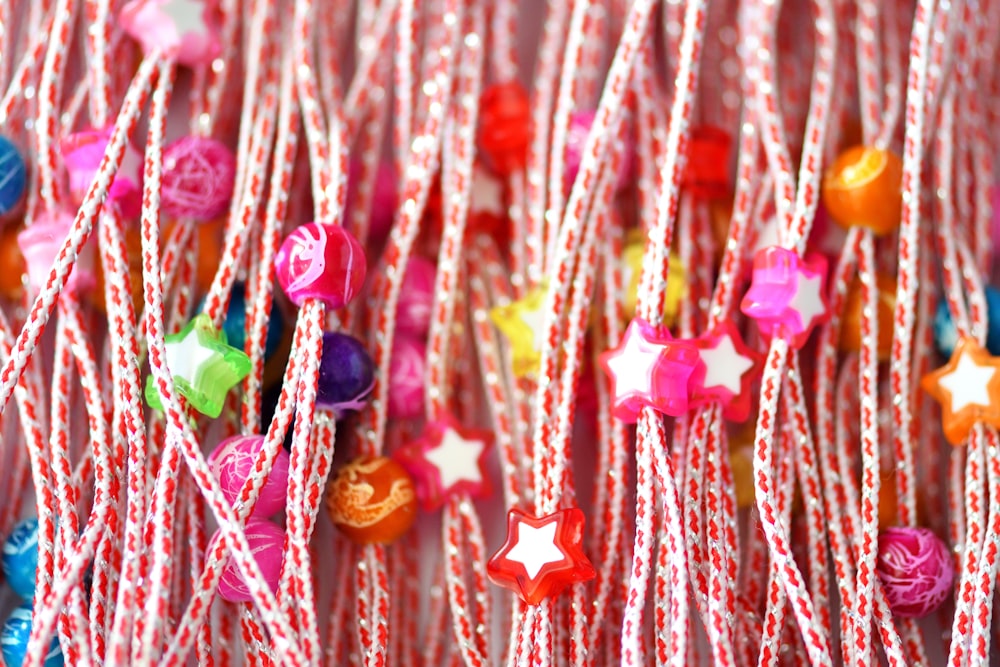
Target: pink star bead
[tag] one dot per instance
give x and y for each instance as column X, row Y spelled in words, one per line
column 40, row 243
column 186, row 30
column 649, row 369
column 730, row 368
column 786, row 294
column 447, row 460
column 82, row 153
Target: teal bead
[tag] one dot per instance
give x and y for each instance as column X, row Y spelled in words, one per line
column 20, row 558
column 14, row 640
column 13, row 175
column 235, row 323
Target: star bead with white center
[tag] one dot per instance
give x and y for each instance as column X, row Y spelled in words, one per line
column 724, row 365
column 633, row 367
column 968, row 383
column 808, row 299
column 186, row 358
column 967, row 388
column 535, row 548
column 184, row 30
column 535, row 319
column 456, row 459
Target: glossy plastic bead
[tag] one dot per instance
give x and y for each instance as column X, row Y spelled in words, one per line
column 82, row 154
column 946, row 334
column 232, row 461
column 13, row 176
column 20, row 558
column 730, row 367
column 967, row 388
column 850, row 327
column 198, row 178
column 14, row 640
column 372, row 500
column 863, row 187
column 416, row 298
column 40, row 244
column 677, row 282
column 13, row 274
column 235, row 323
column 267, row 543
column 505, row 126
column 406, row 378
column 186, row 30
column 321, row 261
column 209, row 240
column 916, row 570
column 580, row 123
column 708, row 162
column 786, row 294
column 522, row 323
column 346, row 375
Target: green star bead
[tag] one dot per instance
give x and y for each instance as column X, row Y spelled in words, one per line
column 204, row 367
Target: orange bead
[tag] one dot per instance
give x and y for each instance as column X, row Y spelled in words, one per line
column 133, row 255
column 888, row 503
column 850, row 330
column 372, row 500
column 209, row 250
column 12, row 263
column 505, row 126
column 863, row 187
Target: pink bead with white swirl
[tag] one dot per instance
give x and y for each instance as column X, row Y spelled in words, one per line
column 916, row 570
column 198, row 179
column 232, row 462
column 266, row 543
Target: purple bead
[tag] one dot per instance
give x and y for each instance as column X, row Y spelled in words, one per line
column 916, row 570
column 580, row 123
column 267, row 543
column 346, row 375
column 416, row 298
column 198, row 179
column 406, row 378
column 321, row 261
column 232, row 462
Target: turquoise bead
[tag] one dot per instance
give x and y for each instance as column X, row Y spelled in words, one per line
column 13, row 175
column 14, row 640
column 20, row 558
column 946, row 335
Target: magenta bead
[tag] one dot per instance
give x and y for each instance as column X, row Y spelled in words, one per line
column 321, row 261
column 198, row 179
column 267, row 543
column 406, row 378
column 232, row 462
column 580, row 123
column 416, row 298
column 40, row 243
column 915, row 569
column 83, row 153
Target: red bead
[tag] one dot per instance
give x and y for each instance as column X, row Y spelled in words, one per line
column 707, row 172
column 505, row 126
column 321, row 261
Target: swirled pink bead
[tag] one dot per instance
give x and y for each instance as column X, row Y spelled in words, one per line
column 321, row 261
column 198, row 178
column 266, row 544
column 232, row 462
column 916, row 570
column 416, row 298
column 406, row 378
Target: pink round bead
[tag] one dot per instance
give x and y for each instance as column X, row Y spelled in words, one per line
column 406, row 378
column 321, row 261
column 198, row 178
column 916, row 570
column 580, row 123
column 232, row 462
column 40, row 243
column 416, row 298
column 267, row 543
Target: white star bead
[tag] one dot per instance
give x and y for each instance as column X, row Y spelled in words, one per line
column 724, row 366
column 808, row 299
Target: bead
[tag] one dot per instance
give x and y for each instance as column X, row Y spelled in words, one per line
column 203, row 366
column 406, row 378
column 82, row 154
column 185, row 30
column 13, row 176
column 522, row 323
column 786, row 294
column 20, row 558
column 677, row 282
column 730, row 369
column 383, row 198
column 346, row 375
column 267, row 543
column 14, row 640
column 199, row 175
column 863, row 187
column 209, row 237
column 541, row 556
column 850, row 326
column 234, row 326
column 372, row 500
column 968, row 389
column 133, row 257
column 915, row 569
column 232, row 461
column 946, row 333
column 40, row 243
column 580, row 123
column 447, row 460
column 706, row 175
column 13, row 274
column 505, row 126
column 321, row 261
column 416, row 298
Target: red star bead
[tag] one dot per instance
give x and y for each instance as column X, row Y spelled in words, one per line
column 542, row 556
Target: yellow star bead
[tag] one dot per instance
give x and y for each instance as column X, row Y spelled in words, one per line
column 677, row 286
column 522, row 323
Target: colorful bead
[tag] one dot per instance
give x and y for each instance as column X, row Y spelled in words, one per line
column 522, row 322
column 372, row 500
column 580, row 123
column 863, row 187
column 133, row 258
column 199, row 175
column 346, row 375
column 40, row 243
column 203, row 366
column 505, row 126
column 946, row 333
column 13, row 176
column 20, row 558
column 915, row 569
column 730, row 368
column 968, row 389
column 232, row 461
column 234, row 326
column 677, row 282
column 186, row 30
column 406, row 378
column 82, row 154
column 708, row 162
column 416, row 298
column 14, row 640
column 14, row 270
column 209, row 237
column 541, row 556
column 850, row 327
column 321, row 261
column 447, row 460
column 267, row 543
column 786, row 294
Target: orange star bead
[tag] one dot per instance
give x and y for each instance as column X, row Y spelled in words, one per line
column 968, row 389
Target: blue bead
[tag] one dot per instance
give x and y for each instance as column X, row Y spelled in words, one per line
column 20, row 558
column 236, row 319
column 946, row 335
column 13, row 175
column 14, row 640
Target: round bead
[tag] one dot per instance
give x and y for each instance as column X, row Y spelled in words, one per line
column 346, row 374
column 321, row 261
column 580, row 123
column 863, row 187
column 707, row 173
column 946, row 335
column 13, row 176
column 916, row 570
column 372, row 500
column 235, row 323
column 20, row 558
column 40, row 243
column 267, row 543
column 850, row 331
column 12, row 261
column 504, row 130
column 232, row 461
column 198, row 178
column 14, row 640
column 406, row 378
column 416, row 298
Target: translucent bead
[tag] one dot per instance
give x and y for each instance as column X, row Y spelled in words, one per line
column 786, row 294
column 915, row 569
column 20, row 558
column 505, row 126
column 232, row 461
column 40, row 243
column 706, row 175
column 15, row 635
column 267, row 543
column 862, row 187
column 372, row 500
column 82, row 154
column 406, row 378
column 186, row 30
column 13, row 176
column 416, row 298
column 199, row 175
column 235, row 323
column 321, row 261
column 346, row 374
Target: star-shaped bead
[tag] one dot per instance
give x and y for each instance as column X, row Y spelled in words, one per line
column 203, row 366
column 523, row 324
column 82, row 154
column 447, row 460
column 541, row 556
column 186, row 30
column 649, row 369
column 786, row 294
column 730, row 368
column 677, row 284
column 968, row 389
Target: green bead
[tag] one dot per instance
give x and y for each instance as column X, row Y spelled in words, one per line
column 203, row 366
